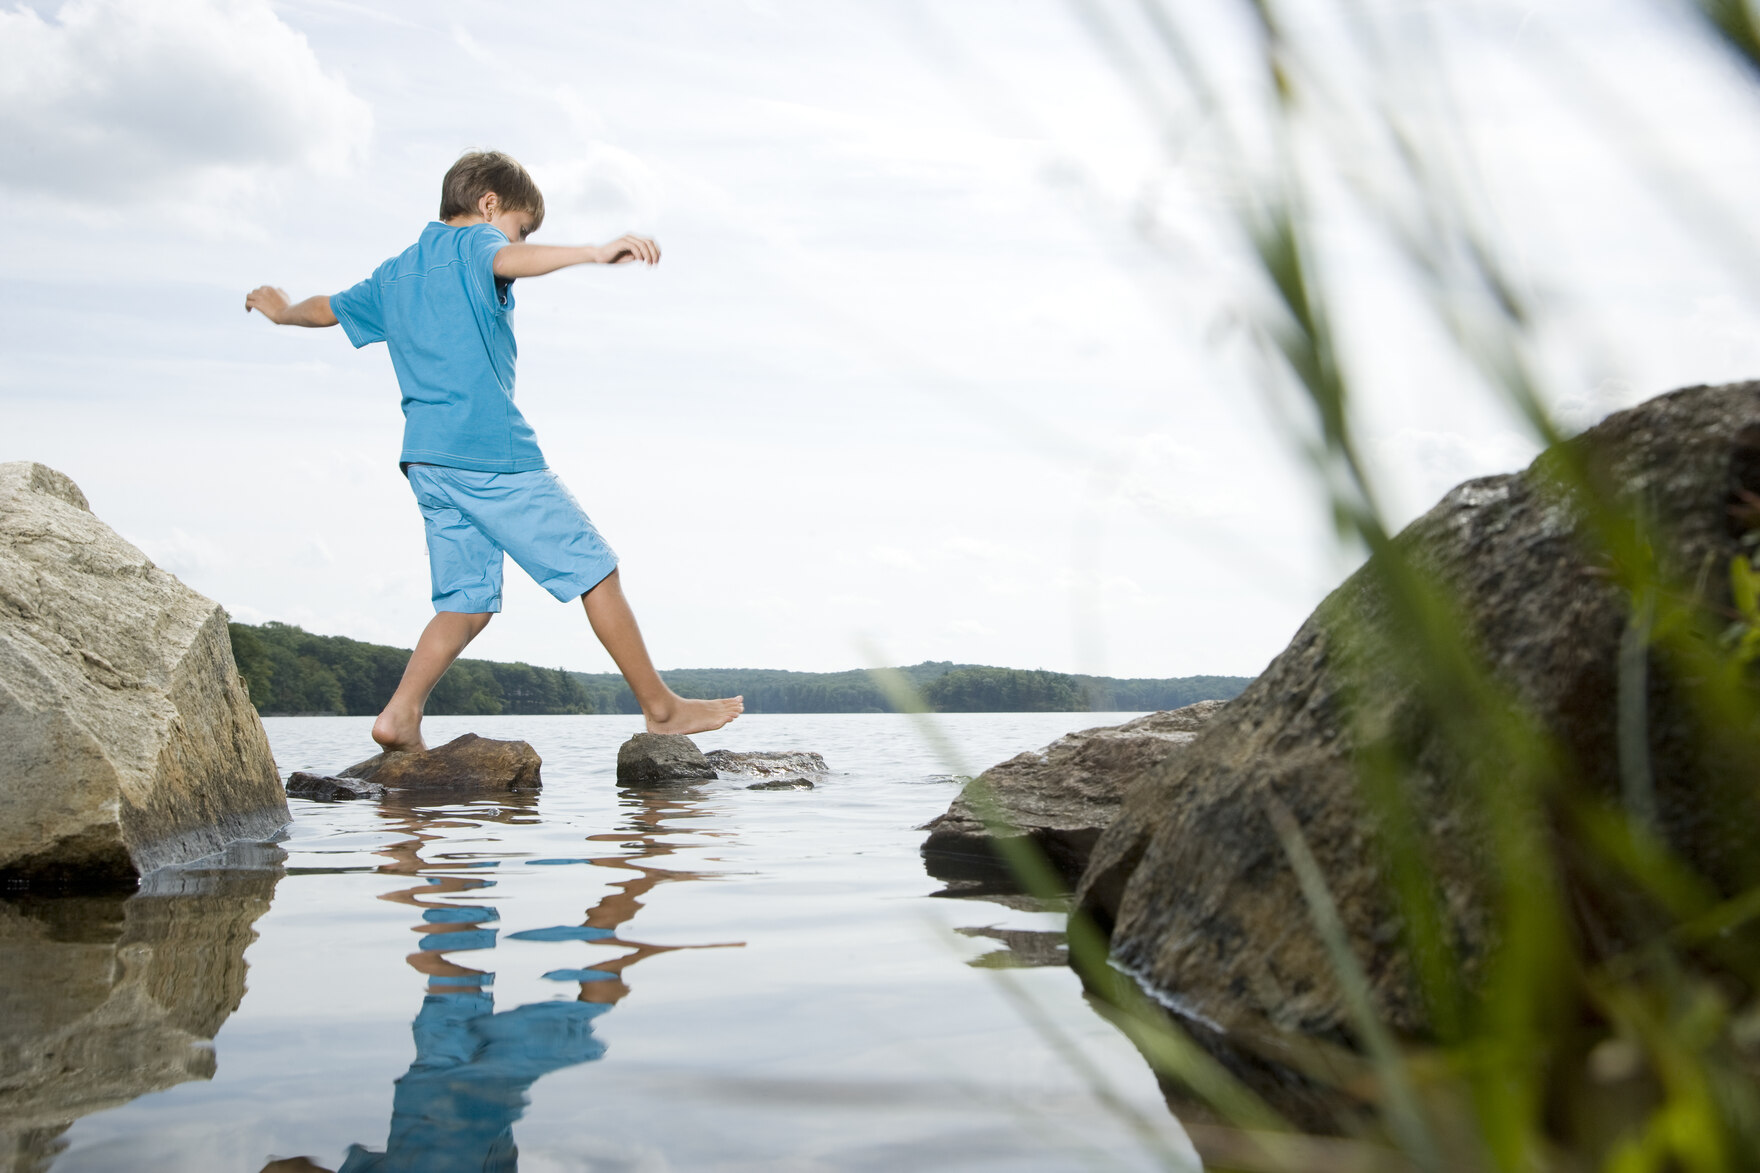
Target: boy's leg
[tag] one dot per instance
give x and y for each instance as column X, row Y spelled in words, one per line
column 399, row 726
column 464, row 565
column 666, row 712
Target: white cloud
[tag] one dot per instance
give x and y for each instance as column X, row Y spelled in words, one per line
column 108, row 101
column 600, row 182
column 1417, row 466
column 191, row 557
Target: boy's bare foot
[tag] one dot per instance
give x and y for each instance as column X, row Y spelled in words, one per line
column 683, row 715
column 399, row 732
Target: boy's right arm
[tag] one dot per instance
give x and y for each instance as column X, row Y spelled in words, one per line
column 272, row 304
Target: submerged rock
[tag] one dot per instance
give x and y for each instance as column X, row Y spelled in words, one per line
column 106, row 997
column 127, row 738
column 776, row 770
column 1191, row 880
column 658, row 759
column 788, row 763
column 465, row 765
column 1061, row 797
column 324, row 788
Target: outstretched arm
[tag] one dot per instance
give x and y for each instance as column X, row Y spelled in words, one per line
column 535, row 260
column 272, row 304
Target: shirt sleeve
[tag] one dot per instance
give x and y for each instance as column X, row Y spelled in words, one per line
column 361, row 312
column 480, row 249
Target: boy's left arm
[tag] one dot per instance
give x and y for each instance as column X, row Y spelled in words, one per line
column 272, row 303
column 534, row 260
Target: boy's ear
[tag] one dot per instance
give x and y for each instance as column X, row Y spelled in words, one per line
column 488, row 204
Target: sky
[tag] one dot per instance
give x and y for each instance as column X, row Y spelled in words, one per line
column 947, row 354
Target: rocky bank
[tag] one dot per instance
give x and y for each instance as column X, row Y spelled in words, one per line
column 1191, row 881
column 1061, row 798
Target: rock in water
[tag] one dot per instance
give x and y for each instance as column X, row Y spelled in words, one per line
column 775, row 770
column 1061, row 797
column 787, row 763
column 328, row 788
column 127, row 739
column 1191, row 880
column 795, row 783
column 464, row 764
column 650, row 759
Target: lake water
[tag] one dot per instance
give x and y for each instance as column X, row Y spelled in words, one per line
column 708, row 978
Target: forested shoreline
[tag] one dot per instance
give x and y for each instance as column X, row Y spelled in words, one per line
column 292, row 672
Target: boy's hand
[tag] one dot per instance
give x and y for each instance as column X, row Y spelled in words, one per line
column 272, row 304
column 269, row 301
column 629, row 248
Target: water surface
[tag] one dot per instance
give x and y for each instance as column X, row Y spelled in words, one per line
column 709, row 978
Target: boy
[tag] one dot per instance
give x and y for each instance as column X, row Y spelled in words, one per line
column 445, row 307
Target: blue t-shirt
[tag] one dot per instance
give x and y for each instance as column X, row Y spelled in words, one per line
column 449, row 323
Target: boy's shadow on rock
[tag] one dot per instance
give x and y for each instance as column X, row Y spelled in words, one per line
column 456, row 1106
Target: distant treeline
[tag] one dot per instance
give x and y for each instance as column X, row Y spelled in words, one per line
column 947, row 687
column 291, row 671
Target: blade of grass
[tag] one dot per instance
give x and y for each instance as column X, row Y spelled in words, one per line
column 1399, row 1099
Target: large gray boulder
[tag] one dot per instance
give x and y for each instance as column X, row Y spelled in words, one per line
column 1061, row 797
column 1191, row 880
column 127, row 739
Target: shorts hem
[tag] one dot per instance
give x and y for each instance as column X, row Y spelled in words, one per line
column 457, row 605
column 576, row 585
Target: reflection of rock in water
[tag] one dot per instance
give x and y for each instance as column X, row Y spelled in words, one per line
column 106, row 998
column 1021, row 948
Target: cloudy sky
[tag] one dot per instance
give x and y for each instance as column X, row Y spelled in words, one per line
column 944, row 358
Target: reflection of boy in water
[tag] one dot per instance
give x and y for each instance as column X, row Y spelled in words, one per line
column 455, row 1108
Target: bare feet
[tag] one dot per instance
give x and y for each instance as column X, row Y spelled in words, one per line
column 399, row 732
column 683, row 715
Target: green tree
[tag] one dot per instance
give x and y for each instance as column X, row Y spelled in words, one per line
column 1004, row 690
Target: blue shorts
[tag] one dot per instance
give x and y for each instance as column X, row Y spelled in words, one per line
column 473, row 517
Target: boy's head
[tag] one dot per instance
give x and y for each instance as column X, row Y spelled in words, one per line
column 481, row 173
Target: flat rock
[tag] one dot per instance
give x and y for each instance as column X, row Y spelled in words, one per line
column 127, row 738
column 466, row 764
column 789, row 763
column 1191, row 881
column 1061, row 797
column 659, row 759
column 325, row 788
column 783, row 784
